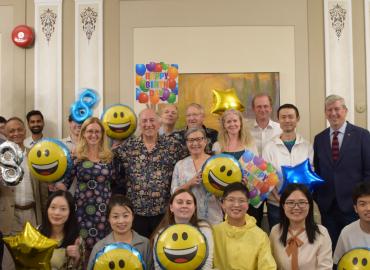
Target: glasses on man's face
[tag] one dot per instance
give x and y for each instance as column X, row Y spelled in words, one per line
column 234, row 201
column 190, row 115
column 193, row 140
column 300, row 204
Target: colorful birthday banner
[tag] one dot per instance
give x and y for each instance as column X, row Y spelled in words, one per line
column 156, row 83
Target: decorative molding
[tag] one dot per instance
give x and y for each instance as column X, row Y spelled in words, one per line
column 48, row 64
column 339, row 51
column 89, row 48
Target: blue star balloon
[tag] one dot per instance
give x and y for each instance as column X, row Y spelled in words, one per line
column 301, row 174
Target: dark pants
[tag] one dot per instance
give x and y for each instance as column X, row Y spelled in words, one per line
column 145, row 226
column 257, row 213
column 334, row 220
column 273, row 215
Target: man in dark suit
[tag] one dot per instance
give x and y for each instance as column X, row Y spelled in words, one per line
column 342, row 159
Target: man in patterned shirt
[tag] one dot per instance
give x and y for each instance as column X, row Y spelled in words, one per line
column 148, row 162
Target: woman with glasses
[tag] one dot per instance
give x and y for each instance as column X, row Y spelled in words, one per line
column 94, row 171
column 239, row 243
column 234, row 136
column 187, row 175
column 298, row 242
column 182, row 210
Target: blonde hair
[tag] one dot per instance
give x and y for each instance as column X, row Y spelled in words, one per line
column 245, row 136
column 105, row 154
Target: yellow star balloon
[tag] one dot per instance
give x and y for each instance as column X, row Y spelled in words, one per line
column 225, row 100
column 30, row 249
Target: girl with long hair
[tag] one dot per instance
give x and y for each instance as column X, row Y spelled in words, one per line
column 298, row 242
column 60, row 223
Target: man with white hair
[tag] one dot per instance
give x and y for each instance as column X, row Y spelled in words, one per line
column 148, row 162
column 342, row 159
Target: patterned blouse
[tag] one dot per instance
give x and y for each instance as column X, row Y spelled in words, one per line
column 148, row 174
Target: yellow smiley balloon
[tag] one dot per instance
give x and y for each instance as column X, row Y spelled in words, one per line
column 118, row 256
column 49, row 160
column 355, row 259
column 219, row 171
column 119, row 121
column 181, row 247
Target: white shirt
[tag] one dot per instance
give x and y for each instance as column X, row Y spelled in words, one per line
column 29, row 142
column 24, row 190
column 340, row 135
column 262, row 136
column 352, row 236
column 278, row 155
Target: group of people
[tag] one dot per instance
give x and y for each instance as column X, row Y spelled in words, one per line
column 132, row 191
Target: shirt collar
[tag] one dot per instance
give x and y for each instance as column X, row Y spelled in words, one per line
column 341, row 130
column 269, row 125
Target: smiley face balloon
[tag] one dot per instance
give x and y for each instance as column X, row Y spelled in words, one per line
column 119, row 121
column 49, row 160
column 118, row 256
column 355, row 259
column 181, row 247
column 219, row 171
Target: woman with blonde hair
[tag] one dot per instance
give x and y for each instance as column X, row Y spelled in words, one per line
column 94, row 171
column 234, row 136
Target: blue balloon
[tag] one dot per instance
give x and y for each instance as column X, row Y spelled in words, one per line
column 175, row 65
column 176, row 90
column 301, row 174
column 138, row 91
column 80, row 112
column 140, row 69
column 89, row 97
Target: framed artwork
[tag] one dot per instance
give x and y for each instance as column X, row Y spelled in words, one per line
column 198, row 88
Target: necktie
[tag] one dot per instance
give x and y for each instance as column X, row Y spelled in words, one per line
column 335, row 146
column 293, row 243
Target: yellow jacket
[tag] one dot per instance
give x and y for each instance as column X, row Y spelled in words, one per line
column 242, row 248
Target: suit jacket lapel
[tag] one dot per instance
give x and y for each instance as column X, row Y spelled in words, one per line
column 346, row 141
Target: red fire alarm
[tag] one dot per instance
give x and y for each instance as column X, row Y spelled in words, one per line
column 23, row 36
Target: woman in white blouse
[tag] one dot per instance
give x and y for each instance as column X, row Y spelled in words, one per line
column 298, row 242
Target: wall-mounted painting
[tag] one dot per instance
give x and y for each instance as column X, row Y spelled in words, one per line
column 198, row 88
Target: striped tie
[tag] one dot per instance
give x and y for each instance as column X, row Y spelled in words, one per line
column 335, row 146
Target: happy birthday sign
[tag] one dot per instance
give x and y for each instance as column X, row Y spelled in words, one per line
column 156, row 83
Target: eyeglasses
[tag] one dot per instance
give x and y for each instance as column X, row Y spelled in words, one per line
column 300, row 204
column 192, row 140
column 234, row 201
column 192, row 115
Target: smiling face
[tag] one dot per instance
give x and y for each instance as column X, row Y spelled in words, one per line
column 219, row 171
column 235, row 205
column 74, row 128
column 118, row 258
column 232, row 124
column 336, row 113
column 36, row 124
column 149, row 123
column 362, row 208
column 119, row 122
column 262, row 108
column 181, row 247
column 183, row 207
column 120, row 219
column 296, row 207
column 58, row 211
column 15, row 132
column 169, row 114
column 93, row 134
column 47, row 161
column 196, row 143
column 288, row 120
column 194, row 117
column 355, row 259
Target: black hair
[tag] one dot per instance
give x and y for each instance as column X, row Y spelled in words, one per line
column 288, row 106
column 311, row 226
column 120, row 200
column 361, row 189
column 71, row 228
column 32, row 113
column 2, row 119
column 236, row 186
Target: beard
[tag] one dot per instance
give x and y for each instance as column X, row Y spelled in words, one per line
column 36, row 129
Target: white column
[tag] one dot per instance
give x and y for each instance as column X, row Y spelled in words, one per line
column 367, row 41
column 339, row 51
column 48, row 64
column 89, row 48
